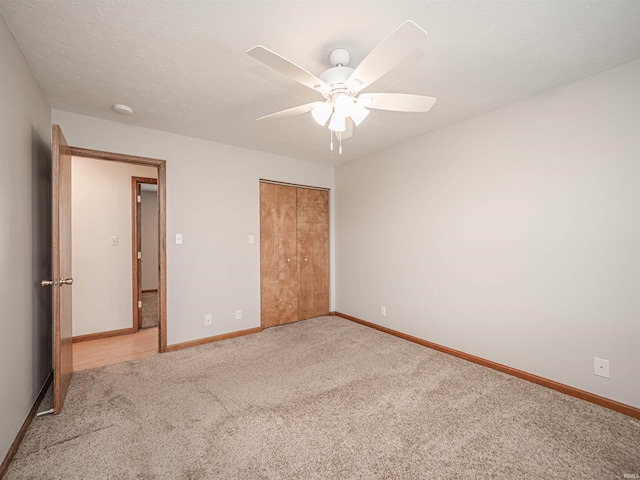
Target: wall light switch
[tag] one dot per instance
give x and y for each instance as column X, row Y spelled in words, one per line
column 252, row 239
column 114, row 241
column 178, row 239
column 208, row 318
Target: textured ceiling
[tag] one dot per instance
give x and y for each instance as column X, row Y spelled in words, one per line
column 181, row 64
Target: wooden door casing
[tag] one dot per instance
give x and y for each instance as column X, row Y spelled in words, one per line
column 161, row 167
column 137, row 247
column 278, row 255
column 313, row 252
column 61, row 233
column 136, row 243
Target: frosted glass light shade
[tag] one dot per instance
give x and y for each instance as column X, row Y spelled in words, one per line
column 344, row 104
column 337, row 123
column 322, row 113
column 358, row 114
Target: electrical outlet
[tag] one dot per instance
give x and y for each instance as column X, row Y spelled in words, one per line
column 114, row 241
column 601, row 367
column 383, row 311
column 238, row 314
column 208, row 319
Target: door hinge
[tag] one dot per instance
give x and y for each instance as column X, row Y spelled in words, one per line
column 139, row 255
column 139, row 199
column 139, row 303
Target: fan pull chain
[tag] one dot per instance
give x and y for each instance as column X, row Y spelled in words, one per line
column 331, row 137
column 340, row 139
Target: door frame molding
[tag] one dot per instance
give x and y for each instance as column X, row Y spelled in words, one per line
column 136, row 238
column 297, row 185
column 161, row 166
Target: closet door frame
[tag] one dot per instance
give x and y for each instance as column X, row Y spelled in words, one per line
column 270, row 302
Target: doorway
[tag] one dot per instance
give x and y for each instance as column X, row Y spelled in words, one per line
column 144, row 261
column 159, row 258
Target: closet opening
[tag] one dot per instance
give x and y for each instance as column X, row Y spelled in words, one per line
column 294, row 252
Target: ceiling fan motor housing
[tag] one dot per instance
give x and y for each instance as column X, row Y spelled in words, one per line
column 336, row 76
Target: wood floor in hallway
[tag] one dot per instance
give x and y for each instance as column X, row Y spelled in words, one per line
column 105, row 351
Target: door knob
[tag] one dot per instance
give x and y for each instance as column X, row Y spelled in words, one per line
column 56, row 283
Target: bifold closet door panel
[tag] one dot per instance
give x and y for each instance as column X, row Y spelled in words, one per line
column 313, row 253
column 278, row 255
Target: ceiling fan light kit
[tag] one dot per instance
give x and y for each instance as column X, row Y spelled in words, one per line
column 342, row 104
column 322, row 112
column 358, row 113
column 337, row 123
column 341, row 85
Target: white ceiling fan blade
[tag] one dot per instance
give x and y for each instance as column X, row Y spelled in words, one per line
column 290, row 112
column 391, row 51
column 286, row 67
column 399, row 102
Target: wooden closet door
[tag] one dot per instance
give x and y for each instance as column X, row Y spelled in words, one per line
column 278, row 259
column 313, row 252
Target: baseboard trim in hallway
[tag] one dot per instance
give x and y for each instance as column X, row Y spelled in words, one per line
column 545, row 382
column 109, row 333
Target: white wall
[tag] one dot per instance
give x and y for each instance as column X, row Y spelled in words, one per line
column 513, row 236
column 25, row 157
column 149, row 239
column 101, row 208
column 213, row 201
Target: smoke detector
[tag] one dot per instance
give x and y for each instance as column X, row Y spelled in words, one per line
column 122, row 109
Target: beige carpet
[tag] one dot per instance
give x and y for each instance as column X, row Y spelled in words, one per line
column 321, row 399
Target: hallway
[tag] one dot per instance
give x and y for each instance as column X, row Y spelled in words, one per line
column 105, row 351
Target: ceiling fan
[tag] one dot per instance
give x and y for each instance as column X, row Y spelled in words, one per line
column 341, row 86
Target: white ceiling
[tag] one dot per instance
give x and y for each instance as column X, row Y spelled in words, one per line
column 181, row 64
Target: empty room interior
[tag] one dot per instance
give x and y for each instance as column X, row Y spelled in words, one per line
column 320, row 239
